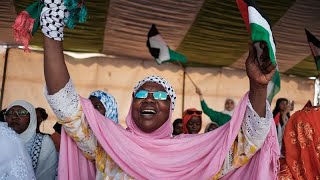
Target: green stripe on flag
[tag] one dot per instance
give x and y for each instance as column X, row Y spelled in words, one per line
column 259, row 33
column 218, row 36
column 85, row 37
column 273, row 86
column 317, row 59
column 174, row 56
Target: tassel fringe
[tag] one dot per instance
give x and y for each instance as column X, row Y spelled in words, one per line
column 22, row 28
column 77, row 12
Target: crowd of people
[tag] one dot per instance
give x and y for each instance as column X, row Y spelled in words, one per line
column 149, row 120
column 297, row 135
column 91, row 130
column 191, row 121
column 88, row 143
column 242, row 142
column 42, row 149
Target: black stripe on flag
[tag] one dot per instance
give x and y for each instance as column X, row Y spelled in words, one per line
column 153, row 32
column 312, row 38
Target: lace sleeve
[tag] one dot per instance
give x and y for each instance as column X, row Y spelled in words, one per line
column 67, row 107
column 256, row 128
column 66, row 102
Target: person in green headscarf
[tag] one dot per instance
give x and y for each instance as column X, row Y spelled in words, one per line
column 215, row 116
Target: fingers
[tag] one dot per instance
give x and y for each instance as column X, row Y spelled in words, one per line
column 198, row 91
column 252, row 51
column 252, row 55
column 270, row 74
column 267, row 66
column 263, row 59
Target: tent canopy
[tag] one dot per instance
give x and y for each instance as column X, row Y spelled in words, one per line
column 211, row 33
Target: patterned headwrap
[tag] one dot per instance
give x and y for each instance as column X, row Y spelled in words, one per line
column 166, row 129
column 157, row 79
column 109, row 103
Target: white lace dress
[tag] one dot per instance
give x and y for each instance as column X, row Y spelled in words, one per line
column 15, row 162
column 66, row 105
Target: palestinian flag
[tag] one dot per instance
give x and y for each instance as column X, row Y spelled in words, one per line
column 260, row 30
column 27, row 24
column 160, row 50
column 314, row 44
column 273, row 86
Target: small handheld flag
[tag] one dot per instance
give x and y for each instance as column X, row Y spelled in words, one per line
column 29, row 20
column 27, row 23
column 160, row 50
column 260, row 30
column 314, row 44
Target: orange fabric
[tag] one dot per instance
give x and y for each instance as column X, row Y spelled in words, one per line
column 284, row 173
column 186, row 117
column 302, row 146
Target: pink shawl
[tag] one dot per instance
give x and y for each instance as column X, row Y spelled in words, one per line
column 73, row 165
column 156, row 156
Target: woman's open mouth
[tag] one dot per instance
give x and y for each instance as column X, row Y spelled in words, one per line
column 148, row 113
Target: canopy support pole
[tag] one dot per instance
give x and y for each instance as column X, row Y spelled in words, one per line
column 4, row 76
column 183, row 89
column 317, row 92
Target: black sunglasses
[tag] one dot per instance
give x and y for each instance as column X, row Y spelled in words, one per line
column 190, row 112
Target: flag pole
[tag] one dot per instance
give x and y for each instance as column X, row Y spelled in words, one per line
column 184, row 70
column 183, row 91
column 317, row 91
column 4, row 76
column 184, row 84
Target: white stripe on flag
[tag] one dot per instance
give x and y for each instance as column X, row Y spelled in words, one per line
column 158, row 42
column 256, row 18
column 270, row 88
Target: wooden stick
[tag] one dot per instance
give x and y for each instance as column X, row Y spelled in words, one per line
column 187, row 74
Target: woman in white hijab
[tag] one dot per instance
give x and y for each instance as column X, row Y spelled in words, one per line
column 15, row 162
column 229, row 106
column 21, row 117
